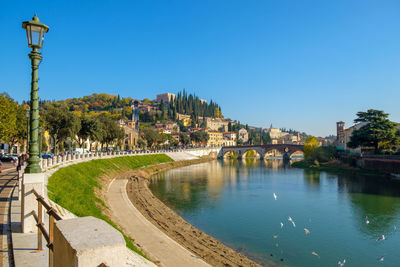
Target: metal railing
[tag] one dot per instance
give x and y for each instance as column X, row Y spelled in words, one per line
column 49, row 236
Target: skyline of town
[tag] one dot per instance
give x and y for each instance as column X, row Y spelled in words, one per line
column 264, row 63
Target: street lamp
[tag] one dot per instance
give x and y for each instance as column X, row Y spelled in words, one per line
column 35, row 31
column 27, row 133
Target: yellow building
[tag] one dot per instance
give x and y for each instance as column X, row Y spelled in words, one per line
column 186, row 122
column 216, row 139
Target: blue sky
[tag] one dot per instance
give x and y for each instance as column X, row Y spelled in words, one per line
column 295, row 64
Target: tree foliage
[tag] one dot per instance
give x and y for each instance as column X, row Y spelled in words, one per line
column 61, row 124
column 377, row 132
column 310, row 146
column 8, row 118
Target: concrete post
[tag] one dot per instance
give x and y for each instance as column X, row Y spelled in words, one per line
column 20, row 176
column 44, row 164
column 29, row 202
column 87, row 242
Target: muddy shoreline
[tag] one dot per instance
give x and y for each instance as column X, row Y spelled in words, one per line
column 202, row 245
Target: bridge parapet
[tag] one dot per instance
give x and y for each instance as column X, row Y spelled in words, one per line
column 262, row 149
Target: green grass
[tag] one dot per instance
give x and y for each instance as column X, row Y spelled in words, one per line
column 73, row 187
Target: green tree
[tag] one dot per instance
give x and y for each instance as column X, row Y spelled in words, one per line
column 310, row 146
column 90, row 130
column 185, row 139
column 61, row 124
column 20, row 132
column 199, row 137
column 150, row 135
column 377, row 132
column 110, row 131
column 8, row 118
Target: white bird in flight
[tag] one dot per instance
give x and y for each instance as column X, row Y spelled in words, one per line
column 366, row 220
column 315, row 254
column 275, row 196
column 382, row 258
column 381, row 238
column 306, row 231
column 281, row 224
column 341, row 263
column 291, row 220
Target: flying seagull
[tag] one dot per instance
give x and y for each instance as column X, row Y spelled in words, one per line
column 366, row 220
column 275, row 196
column 315, row 254
column 281, row 224
column 382, row 258
column 291, row 220
column 381, row 238
column 306, row 231
column 341, row 263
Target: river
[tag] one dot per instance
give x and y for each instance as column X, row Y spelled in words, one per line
column 234, row 202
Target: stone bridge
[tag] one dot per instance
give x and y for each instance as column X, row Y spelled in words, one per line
column 261, row 149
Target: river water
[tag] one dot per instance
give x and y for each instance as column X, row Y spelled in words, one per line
column 233, row 201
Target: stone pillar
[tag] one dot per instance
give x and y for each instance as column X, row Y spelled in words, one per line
column 20, row 176
column 44, row 164
column 29, row 203
column 86, row 242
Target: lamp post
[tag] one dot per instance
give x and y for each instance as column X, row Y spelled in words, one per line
column 35, row 31
column 27, row 133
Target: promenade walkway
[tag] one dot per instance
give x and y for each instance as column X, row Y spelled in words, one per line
column 160, row 247
column 8, row 181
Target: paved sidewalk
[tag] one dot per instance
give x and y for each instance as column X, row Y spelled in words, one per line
column 154, row 242
column 8, row 180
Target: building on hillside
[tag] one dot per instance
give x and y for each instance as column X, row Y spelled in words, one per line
column 172, row 126
column 243, row 135
column 131, row 135
column 146, row 108
column 184, row 119
column 229, row 139
column 203, row 101
column 217, row 124
column 216, row 139
column 166, row 98
column 275, row 133
column 180, row 116
column 186, row 122
column 344, row 135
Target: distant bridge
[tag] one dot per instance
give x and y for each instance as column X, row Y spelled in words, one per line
column 262, row 150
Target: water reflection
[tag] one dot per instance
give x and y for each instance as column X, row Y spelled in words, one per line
column 232, row 200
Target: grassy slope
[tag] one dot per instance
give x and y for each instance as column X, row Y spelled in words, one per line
column 73, row 187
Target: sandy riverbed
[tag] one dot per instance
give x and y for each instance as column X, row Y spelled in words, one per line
column 204, row 246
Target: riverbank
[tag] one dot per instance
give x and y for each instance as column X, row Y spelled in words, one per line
column 202, row 245
column 336, row 166
column 76, row 187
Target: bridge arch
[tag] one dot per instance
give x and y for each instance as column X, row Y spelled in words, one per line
column 253, row 153
column 297, row 153
column 230, row 154
column 273, row 152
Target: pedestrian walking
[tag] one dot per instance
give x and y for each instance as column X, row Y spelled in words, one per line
column 20, row 162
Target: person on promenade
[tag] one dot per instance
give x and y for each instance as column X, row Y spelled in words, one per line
column 1, row 165
column 20, row 162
